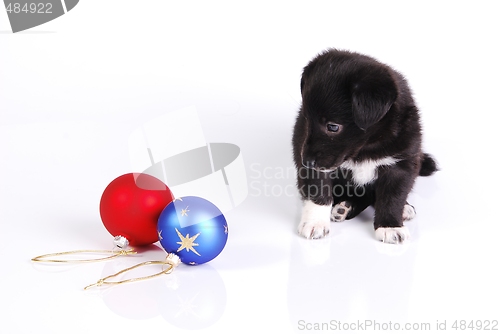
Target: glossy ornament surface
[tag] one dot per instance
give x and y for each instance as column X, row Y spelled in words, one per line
column 130, row 206
column 192, row 228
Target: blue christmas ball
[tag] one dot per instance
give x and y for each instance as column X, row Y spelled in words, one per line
column 192, row 228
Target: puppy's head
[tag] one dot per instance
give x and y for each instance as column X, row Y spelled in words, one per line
column 344, row 97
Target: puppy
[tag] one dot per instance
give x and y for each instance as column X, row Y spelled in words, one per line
column 357, row 142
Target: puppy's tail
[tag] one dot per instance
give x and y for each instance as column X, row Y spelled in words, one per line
column 429, row 165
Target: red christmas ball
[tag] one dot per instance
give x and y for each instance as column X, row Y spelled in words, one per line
column 130, row 207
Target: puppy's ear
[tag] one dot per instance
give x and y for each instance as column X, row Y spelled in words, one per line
column 372, row 97
column 302, row 84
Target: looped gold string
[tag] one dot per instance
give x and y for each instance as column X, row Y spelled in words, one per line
column 43, row 258
column 172, row 261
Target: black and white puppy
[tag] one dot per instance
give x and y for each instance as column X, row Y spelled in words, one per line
column 357, row 142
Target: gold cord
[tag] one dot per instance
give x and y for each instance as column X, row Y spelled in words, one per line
column 172, row 261
column 42, row 258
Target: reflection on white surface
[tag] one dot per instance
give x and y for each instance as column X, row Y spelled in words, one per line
column 194, row 298
column 346, row 277
column 188, row 298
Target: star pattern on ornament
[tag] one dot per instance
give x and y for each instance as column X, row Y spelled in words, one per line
column 159, row 235
column 185, row 211
column 225, row 229
column 187, row 242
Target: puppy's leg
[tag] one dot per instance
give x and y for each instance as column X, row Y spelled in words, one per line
column 399, row 234
column 391, row 190
column 316, row 191
column 315, row 222
column 354, row 200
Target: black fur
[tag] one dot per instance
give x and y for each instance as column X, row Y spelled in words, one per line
column 429, row 166
column 377, row 118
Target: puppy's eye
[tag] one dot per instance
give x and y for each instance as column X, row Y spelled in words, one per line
column 332, row 127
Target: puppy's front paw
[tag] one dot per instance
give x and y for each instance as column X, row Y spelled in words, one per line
column 340, row 211
column 315, row 221
column 314, row 230
column 392, row 235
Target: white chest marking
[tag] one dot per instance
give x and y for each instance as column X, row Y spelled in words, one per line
column 366, row 171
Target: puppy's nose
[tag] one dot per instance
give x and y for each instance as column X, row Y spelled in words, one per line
column 310, row 163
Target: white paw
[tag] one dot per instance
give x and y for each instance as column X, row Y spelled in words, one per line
column 340, row 212
column 409, row 212
column 314, row 230
column 392, row 235
column 315, row 221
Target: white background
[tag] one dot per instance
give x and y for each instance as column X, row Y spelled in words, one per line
column 72, row 91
